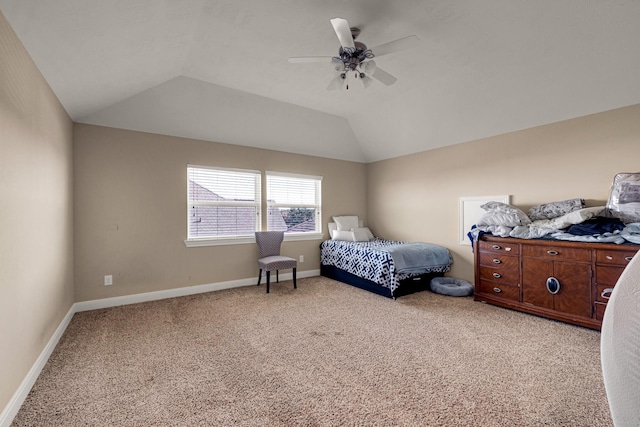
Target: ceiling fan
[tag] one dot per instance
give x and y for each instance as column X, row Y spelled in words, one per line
column 355, row 59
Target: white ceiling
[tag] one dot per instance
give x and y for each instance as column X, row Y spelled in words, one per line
column 217, row 69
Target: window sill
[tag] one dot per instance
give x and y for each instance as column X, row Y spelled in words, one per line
column 197, row 243
column 294, row 237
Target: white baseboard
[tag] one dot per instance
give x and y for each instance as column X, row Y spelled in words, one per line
column 179, row 292
column 18, row 398
column 12, row 408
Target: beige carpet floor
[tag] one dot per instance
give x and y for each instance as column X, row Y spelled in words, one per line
column 326, row 354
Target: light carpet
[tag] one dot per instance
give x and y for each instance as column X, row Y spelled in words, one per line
column 326, row 354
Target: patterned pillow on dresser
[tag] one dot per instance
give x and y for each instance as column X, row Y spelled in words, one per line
column 555, row 209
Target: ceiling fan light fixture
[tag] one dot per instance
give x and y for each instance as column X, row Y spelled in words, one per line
column 369, row 67
column 366, row 81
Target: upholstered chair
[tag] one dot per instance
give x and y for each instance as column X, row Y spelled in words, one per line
column 620, row 347
column 269, row 243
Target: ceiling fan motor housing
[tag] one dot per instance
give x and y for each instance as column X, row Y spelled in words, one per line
column 352, row 57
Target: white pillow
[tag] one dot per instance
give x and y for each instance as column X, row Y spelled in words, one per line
column 566, row 220
column 362, row 234
column 343, row 235
column 347, row 222
column 332, row 227
column 359, row 235
column 501, row 219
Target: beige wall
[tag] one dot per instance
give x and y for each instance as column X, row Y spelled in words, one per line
column 36, row 252
column 416, row 197
column 130, row 210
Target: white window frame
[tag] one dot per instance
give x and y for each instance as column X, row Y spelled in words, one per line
column 225, row 240
column 317, row 205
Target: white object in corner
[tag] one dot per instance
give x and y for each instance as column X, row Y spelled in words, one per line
column 620, row 348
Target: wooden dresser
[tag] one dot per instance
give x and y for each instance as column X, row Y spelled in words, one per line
column 561, row 280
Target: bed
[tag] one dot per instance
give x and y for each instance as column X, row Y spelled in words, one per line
column 386, row 267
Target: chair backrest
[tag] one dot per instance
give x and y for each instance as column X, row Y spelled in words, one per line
column 269, row 242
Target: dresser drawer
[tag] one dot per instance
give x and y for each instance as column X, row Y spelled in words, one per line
column 500, row 275
column 604, row 293
column 614, row 257
column 499, row 290
column 606, row 275
column 558, row 253
column 511, row 249
column 499, row 261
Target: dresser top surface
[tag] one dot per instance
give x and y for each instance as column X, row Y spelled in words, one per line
column 561, row 243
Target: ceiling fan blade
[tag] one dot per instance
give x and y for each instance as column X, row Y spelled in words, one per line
column 395, row 46
column 343, row 31
column 337, row 83
column 366, row 81
column 383, row 77
column 303, row 59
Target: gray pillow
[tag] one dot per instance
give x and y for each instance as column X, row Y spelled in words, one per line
column 555, row 209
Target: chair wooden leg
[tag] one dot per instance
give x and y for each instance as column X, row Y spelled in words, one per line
column 259, row 277
column 268, row 279
column 277, row 276
column 294, row 279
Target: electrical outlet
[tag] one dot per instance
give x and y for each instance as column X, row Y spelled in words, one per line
column 108, row 280
column 301, row 258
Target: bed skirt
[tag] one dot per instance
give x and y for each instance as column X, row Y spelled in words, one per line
column 407, row 286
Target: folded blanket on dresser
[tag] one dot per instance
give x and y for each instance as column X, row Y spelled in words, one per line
column 418, row 257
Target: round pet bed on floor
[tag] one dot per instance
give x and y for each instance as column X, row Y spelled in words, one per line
column 451, row 286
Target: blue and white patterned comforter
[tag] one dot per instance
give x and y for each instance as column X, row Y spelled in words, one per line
column 370, row 261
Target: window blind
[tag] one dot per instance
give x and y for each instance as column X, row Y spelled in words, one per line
column 293, row 202
column 222, row 203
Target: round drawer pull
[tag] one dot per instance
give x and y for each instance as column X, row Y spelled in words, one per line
column 497, row 275
column 497, row 290
column 553, row 285
column 496, row 261
column 552, row 252
column 496, row 247
column 609, row 257
column 606, row 294
column 628, row 258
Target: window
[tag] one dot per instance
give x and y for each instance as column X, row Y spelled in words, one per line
column 223, row 204
column 293, row 203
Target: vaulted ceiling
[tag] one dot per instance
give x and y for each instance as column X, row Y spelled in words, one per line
column 217, row 70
